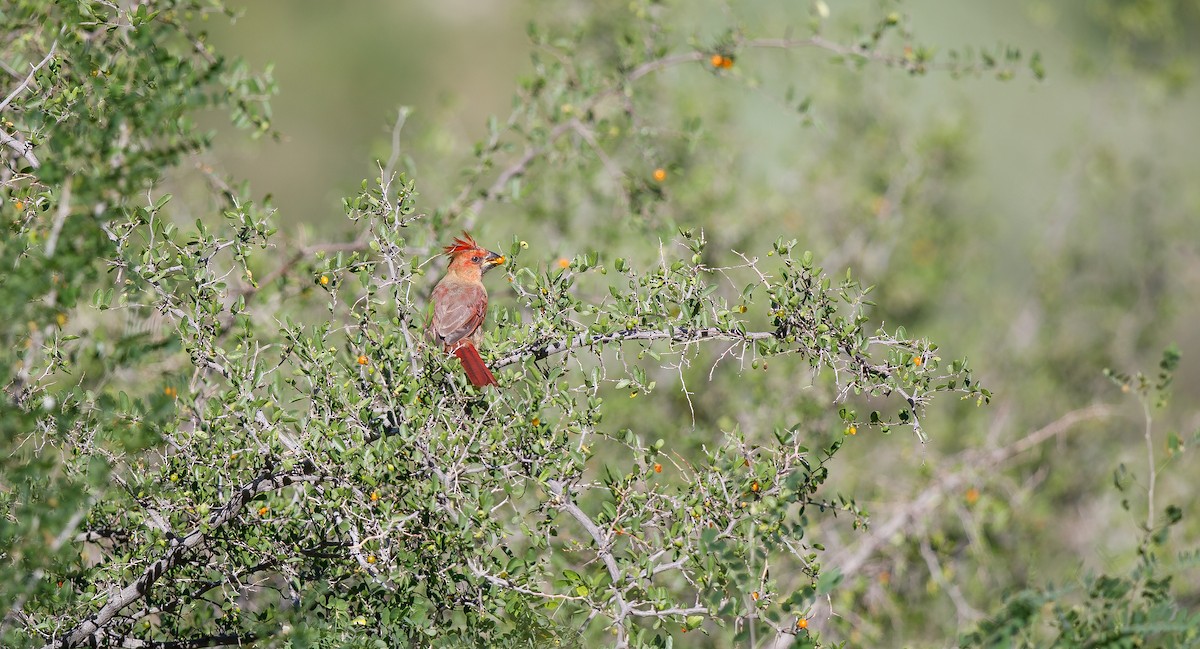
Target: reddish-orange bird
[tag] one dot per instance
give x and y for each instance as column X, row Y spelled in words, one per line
column 460, row 305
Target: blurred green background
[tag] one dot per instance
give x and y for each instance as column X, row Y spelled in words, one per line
column 1043, row 229
column 1036, row 148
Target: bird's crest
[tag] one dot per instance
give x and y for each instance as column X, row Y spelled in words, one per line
column 461, row 244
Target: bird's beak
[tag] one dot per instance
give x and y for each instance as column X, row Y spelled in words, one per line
column 492, row 260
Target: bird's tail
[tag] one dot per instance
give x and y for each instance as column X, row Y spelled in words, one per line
column 477, row 373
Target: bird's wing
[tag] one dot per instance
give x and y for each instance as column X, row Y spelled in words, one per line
column 458, row 310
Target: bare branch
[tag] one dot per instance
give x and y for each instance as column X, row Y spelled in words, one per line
column 390, row 168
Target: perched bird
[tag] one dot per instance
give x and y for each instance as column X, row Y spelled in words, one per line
column 460, row 305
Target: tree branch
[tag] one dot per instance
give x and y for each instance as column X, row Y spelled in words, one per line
column 515, row 170
column 972, row 462
column 563, row 492
column 16, row 143
column 676, row 334
column 176, row 555
column 21, row 147
column 220, row 640
column 29, row 79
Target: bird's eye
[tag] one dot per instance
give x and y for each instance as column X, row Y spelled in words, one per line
column 477, row 259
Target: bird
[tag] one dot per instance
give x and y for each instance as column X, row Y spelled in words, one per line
column 460, row 306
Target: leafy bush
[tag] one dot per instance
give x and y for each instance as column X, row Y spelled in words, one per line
column 215, row 433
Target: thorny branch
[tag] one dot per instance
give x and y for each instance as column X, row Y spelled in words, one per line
column 588, row 341
column 25, row 149
column 183, row 549
column 180, row 549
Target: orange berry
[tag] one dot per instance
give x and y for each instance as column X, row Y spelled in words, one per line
column 170, row 391
column 726, row 62
column 657, row 468
column 754, row 487
column 717, row 60
column 363, row 360
column 324, row 280
column 660, row 174
column 852, row 430
column 262, row 511
column 371, row 558
column 754, row 595
column 563, row 262
column 972, row 496
column 374, row 496
column 802, row 624
column 20, row 205
column 917, row 361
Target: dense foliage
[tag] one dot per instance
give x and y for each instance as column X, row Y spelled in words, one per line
column 216, row 433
